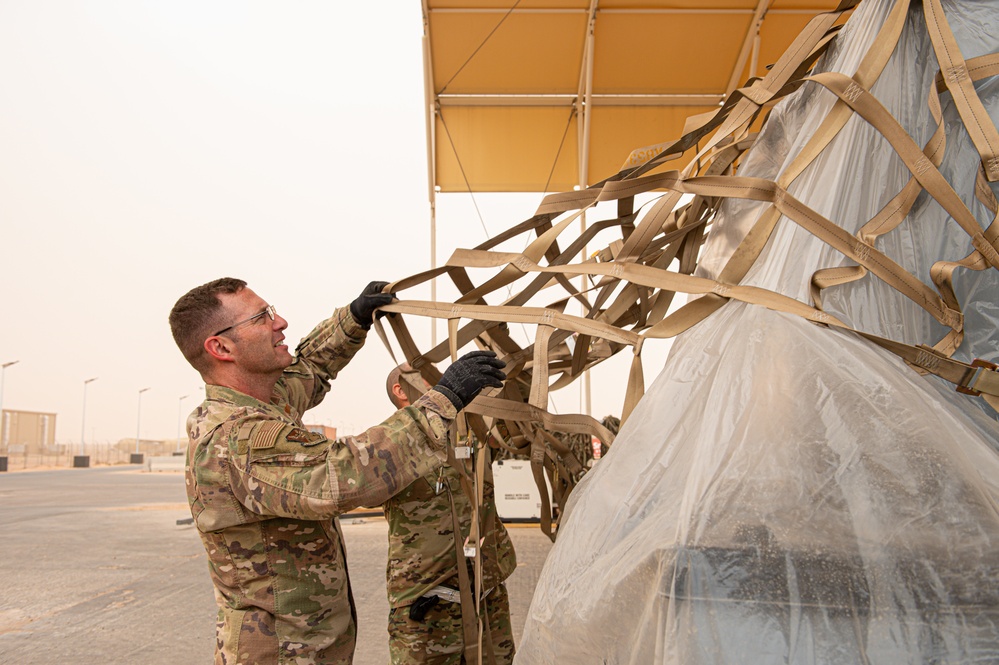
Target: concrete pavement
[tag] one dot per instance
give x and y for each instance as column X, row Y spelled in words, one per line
column 96, row 570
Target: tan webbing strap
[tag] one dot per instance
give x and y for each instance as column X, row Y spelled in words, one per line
column 868, row 71
column 510, row 410
column 477, row 538
column 560, row 453
column 978, row 378
column 515, row 315
column 537, row 470
column 484, row 627
column 534, row 252
column 412, row 352
column 469, row 617
column 869, row 108
column 380, row 329
column 879, row 264
column 956, row 76
column 854, row 248
column 474, row 611
column 470, row 331
column 631, row 272
column 763, row 90
column 651, row 225
column 636, row 384
column 636, row 275
column 896, row 210
column 538, row 223
column 539, row 377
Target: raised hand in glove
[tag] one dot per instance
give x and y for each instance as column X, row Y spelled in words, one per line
column 468, row 375
column 371, row 298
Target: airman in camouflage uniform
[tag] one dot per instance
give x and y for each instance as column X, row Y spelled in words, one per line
column 265, row 492
column 422, row 557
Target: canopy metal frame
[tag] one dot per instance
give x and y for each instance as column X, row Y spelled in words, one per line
column 582, row 103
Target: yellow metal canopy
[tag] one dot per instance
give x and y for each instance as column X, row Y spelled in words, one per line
column 545, row 95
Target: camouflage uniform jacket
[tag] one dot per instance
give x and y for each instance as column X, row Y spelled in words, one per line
column 421, row 539
column 264, row 493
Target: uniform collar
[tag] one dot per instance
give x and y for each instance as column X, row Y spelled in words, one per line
column 238, row 399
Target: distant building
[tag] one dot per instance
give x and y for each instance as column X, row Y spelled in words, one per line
column 27, row 431
column 147, row 446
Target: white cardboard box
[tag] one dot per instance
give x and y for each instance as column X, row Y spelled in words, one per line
column 517, row 496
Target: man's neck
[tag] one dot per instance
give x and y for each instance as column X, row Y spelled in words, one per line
column 258, row 387
column 259, row 390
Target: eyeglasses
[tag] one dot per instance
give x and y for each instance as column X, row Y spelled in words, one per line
column 269, row 311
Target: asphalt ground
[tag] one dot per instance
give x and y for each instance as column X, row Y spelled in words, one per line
column 96, row 570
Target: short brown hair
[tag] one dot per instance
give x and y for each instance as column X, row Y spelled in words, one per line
column 394, row 377
column 406, row 377
column 197, row 314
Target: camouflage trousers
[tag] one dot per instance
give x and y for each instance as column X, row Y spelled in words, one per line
column 437, row 640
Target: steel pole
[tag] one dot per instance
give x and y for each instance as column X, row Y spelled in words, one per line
column 180, row 415
column 584, row 165
column 138, row 420
column 3, row 429
column 83, row 419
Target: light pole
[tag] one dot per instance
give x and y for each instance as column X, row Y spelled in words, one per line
column 180, row 415
column 3, row 430
column 82, row 461
column 3, row 422
column 138, row 421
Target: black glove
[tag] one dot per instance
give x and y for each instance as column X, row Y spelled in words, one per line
column 371, row 298
column 468, row 375
column 418, row 610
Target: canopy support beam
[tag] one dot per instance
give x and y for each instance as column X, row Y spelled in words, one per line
column 750, row 43
column 595, row 99
column 430, row 101
column 585, row 106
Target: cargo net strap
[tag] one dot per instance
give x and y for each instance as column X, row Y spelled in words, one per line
column 626, row 289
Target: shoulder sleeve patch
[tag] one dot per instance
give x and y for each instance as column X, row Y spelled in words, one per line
column 265, row 434
column 245, row 430
column 305, row 437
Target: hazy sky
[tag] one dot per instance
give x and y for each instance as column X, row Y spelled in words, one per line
column 150, row 146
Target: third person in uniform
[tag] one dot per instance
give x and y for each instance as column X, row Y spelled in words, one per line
column 425, row 615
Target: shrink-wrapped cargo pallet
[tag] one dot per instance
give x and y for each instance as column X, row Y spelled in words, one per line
column 786, row 492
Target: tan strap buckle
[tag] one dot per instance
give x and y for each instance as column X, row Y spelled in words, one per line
column 971, row 376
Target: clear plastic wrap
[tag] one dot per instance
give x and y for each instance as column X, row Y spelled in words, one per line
column 790, row 493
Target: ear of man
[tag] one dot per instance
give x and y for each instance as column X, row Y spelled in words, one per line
column 220, row 349
column 399, row 395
